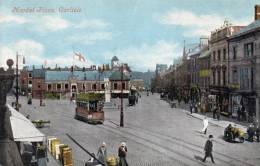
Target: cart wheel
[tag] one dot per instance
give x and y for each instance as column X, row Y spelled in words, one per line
column 242, row 139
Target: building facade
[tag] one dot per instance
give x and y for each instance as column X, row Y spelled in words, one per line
column 244, row 51
column 219, row 64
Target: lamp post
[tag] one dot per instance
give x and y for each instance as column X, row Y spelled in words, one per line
column 17, row 95
column 121, row 110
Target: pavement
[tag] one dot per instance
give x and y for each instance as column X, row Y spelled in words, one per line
column 155, row 134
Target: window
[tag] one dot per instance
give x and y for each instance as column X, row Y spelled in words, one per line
column 244, row 78
column 115, row 85
column 224, row 54
column 248, row 49
column 49, row 86
column 30, row 81
column 66, row 86
column 83, row 86
column 252, row 78
column 102, row 86
column 214, row 77
column 235, row 52
column 30, row 75
column 58, row 86
column 39, row 85
column 219, row 55
column 214, row 56
column 123, row 85
column 218, row 77
column 224, row 77
column 234, row 76
column 94, row 86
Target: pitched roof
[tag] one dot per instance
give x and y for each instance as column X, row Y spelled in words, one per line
column 92, row 75
column 254, row 25
column 38, row 73
column 116, row 76
column 205, row 54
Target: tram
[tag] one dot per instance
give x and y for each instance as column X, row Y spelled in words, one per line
column 90, row 108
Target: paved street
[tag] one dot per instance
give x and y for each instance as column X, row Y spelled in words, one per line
column 155, row 134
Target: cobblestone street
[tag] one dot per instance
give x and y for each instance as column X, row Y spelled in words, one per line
column 155, row 134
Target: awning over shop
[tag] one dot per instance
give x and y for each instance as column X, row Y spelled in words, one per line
column 23, row 129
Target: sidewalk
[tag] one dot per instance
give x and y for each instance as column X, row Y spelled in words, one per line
column 223, row 122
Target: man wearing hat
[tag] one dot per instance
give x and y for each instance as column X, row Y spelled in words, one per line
column 122, row 154
column 208, row 149
column 102, row 153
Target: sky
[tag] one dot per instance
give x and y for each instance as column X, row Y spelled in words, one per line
column 141, row 33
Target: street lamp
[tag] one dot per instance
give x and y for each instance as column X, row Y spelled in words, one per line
column 17, row 77
column 121, row 110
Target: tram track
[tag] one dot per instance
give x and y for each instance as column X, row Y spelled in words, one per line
column 167, row 151
column 139, row 131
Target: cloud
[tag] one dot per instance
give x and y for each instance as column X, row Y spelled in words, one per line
column 50, row 23
column 12, row 19
column 34, row 55
column 92, row 24
column 90, row 38
column 147, row 56
column 31, row 50
column 196, row 25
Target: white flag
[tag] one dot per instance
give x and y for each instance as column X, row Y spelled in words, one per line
column 79, row 57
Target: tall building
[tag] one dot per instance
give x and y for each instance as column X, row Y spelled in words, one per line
column 160, row 68
column 219, row 63
column 244, row 67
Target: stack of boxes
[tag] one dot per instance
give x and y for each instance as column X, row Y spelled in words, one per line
column 61, row 152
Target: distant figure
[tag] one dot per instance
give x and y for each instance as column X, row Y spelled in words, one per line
column 214, row 111
column 218, row 112
column 205, row 125
column 250, row 132
column 257, row 133
column 102, row 153
column 191, row 107
column 228, row 133
column 122, row 154
column 208, row 149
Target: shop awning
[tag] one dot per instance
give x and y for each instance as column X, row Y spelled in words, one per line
column 23, row 129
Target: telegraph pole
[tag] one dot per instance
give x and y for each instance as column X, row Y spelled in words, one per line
column 17, row 93
column 122, row 111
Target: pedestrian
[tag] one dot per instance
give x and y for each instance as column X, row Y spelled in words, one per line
column 191, row 107
column 218, row 112
column 214, row 111
column 239, row 113
column 243, row 113
column 228, row 133
column 205, row 125
column 208, row 149
column 257, row 133
column 122, row 150
column 102, row 153
column 250, row 132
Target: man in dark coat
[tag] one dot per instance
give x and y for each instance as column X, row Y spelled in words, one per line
column 250, row 132
column 208, row 149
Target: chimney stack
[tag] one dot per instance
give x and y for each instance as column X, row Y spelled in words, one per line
column 257, row 12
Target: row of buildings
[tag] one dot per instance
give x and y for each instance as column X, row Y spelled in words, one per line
column 67, row 82
column 225, row 66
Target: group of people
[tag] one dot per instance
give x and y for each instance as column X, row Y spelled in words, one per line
column 122, row 151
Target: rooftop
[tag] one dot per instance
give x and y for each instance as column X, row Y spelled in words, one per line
column 254, row 25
